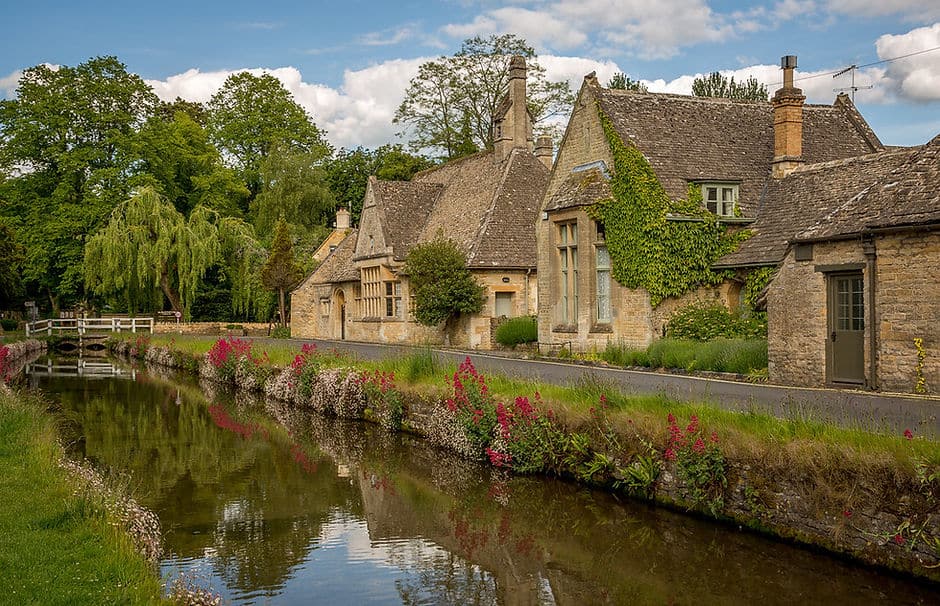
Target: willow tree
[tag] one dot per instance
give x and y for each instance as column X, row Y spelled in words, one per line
column 147, row 246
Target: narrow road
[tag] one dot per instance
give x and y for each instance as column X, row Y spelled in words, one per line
column 887, row 413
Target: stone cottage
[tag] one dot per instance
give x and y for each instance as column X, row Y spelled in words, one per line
column 856, row 299
column 487, row 203
column 715, row 160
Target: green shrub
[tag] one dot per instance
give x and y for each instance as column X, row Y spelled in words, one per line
column 420, row 365
column 281, row 332
column 9, row 324
column 621, row 355
column 706, row 321
column 514, row 331
column 742, row 356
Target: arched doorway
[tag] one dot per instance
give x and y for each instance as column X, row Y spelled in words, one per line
column 339, row 315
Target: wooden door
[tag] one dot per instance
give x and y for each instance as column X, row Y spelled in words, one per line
column 846, row 359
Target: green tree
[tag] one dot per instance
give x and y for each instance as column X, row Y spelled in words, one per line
column 349, row 170
column 717, row 85
column 167, row 110
column 280, row 273
column 251, row 115
column 442, row 285
column 11, row 256
column 451, row 102
column 294, row 188
column 178, row 160
column 148, row 246
column 66, row 148
column 622, row 82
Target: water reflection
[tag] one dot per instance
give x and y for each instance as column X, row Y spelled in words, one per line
column 312, row 509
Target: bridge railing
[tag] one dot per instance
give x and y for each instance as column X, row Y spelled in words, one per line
column 82, row 326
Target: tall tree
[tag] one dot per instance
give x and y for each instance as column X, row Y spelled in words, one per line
column 623, row 82
column 177, row 159
column 461, row 93
column 294, row 188
column 11, row 256
column 349, row 171
column 252, row 115
column 280, row 273
column 148, row 245
column 717, row 85
column 66, row 145
column 442, row 285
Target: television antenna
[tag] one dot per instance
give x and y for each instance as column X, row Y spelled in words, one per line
column 850, row 69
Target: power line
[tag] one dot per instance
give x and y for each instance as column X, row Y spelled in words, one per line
column 836, row 71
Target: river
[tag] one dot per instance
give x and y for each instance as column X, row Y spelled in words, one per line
column 266, row 506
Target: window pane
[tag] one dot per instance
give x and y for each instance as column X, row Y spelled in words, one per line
column 574, row 232
column 562, row 234
column 711, row 193
column 603, row 258
column 503, row 304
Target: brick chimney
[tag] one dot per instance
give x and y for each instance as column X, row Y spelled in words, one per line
column 342, row 219
column 788, row 122
column 511, row 126
column 543, row 151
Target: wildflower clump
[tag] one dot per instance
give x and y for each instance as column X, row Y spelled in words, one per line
column 232, row 361
column 699, row 463
column 385, row 400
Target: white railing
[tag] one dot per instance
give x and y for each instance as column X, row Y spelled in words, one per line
column 80, row 368
column 83, row 326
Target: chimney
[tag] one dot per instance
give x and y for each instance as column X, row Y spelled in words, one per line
column 512, row 128
column 342, row 219
column 543, row 151
column 788, row 122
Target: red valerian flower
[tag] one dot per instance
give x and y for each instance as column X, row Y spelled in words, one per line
column 908, row 434
column 846, row 513
column 670, row 454
column 699, row 446
column 899, row 539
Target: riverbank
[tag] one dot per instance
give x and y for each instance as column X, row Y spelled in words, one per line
column 65, row 528
column 869, row 496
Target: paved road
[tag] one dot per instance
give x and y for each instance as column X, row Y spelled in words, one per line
column 890, row 413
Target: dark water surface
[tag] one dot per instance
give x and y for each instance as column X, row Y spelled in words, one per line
column 314, row 510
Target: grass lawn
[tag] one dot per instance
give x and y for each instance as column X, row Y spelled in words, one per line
column 58, row 547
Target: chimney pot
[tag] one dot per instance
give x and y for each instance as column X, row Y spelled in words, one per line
column 543, row 151
column 342, row 219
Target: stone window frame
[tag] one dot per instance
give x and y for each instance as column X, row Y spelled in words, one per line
column 393, row 299
column 372, row 295
column 600, row 242
column 566, row 268
column 720, row 187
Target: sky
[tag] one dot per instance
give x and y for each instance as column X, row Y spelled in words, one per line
column 349, row 62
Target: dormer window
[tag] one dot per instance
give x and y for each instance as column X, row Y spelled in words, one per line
column 720, row 198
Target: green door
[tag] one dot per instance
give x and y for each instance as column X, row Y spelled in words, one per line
column 846, row 329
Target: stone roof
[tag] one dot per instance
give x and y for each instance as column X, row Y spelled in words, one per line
column 694, row 138
column 405, row 207
column 506, row 237
column 580, row 188
column 792, row 204
column 488, row 207
column 338, row 265
column 909, row 195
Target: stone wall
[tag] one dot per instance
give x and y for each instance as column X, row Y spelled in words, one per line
column 907, row 299
column 908, row 295
column 254, row 329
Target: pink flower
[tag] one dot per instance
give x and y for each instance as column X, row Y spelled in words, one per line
column 898, row 539
column 846, row 513
column 908, row 434
column 671, row 418
column 699, row 446
column 714, row 437
column 693, row 425
column 670, row 454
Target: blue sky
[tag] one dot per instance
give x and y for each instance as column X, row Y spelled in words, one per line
column 348, row 62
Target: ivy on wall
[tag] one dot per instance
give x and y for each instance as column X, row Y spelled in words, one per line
column 666, row 257
column 754, row 284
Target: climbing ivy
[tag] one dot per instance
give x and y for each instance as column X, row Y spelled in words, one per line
column 755, row 283
column 666, row 257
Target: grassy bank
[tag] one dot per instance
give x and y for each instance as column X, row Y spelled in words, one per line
column 58, row 545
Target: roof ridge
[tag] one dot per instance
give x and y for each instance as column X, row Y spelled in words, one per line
column 451, row 163
column 844, row 103
column 819, row 166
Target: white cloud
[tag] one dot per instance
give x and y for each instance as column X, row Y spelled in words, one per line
column 914, row 10
column 9, row 83
column 915, row 77
column 387, row 37
column 359, row 112
column 646, row 29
